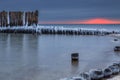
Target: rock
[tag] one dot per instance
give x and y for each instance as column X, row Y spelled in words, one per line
column 85, row 75
column 117, row 48
column 107, row 72
column 115, row 69
column 96, row 74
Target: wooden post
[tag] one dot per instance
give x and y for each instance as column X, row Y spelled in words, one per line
column 75, row 57
column 22, row 18
column 6, row 19
column 18, row 18
column 10, row 19
column 29, row 19
column 36, row 16
column 0, row 19
column 26, row 18
column 3, row 19
column 13, row 18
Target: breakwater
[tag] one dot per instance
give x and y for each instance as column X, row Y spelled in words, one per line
column 19, row 30
column 74, row 31
column 59, row 30
column 27, row 22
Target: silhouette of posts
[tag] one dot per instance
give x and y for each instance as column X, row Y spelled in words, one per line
column 16, row 18
column 3, row 19
column 31, row 18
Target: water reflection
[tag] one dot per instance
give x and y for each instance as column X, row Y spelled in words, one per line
column 75, row 67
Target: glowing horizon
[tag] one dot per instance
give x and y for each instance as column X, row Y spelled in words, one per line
column 88, row 21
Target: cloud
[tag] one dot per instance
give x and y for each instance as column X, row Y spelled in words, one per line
column 58, row 10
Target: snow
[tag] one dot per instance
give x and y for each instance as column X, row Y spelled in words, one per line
column 56, row 28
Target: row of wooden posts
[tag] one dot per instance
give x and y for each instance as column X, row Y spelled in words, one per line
column 18, row 18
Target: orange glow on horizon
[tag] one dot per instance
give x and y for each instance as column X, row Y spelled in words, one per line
column 89, row 21
column 100, row 21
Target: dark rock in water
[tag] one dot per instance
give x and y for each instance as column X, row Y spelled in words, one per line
column 115, row 69
column 117, row 65
column 96, row 74
column 85, row 75
column 117, row 48
column 115, row 39
column 107, row 72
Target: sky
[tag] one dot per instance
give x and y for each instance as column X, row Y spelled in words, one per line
column 67, row 11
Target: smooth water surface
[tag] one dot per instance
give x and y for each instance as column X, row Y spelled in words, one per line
column 48, row 57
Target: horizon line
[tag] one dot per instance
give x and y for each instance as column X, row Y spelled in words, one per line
column 87, row 21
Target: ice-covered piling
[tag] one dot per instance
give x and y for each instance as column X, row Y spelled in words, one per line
column 30, row 30
column 18, row 18
column 30, row 18
column 73, row 31
column 15, row 18
column 55, row 30
column 15, row 21
column 3, row 19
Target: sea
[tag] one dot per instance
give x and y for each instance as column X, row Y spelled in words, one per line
column 48, row 57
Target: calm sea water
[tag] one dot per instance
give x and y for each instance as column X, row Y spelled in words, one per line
column 47, row 57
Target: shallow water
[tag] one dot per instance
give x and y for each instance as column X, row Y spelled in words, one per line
column 47, row 57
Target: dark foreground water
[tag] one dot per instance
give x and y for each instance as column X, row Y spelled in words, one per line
column 47, row 57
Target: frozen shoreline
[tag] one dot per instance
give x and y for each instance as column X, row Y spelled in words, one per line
column 56, row 30
column 115, row 78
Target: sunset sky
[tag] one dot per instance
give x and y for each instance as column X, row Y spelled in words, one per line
column 69, row 11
